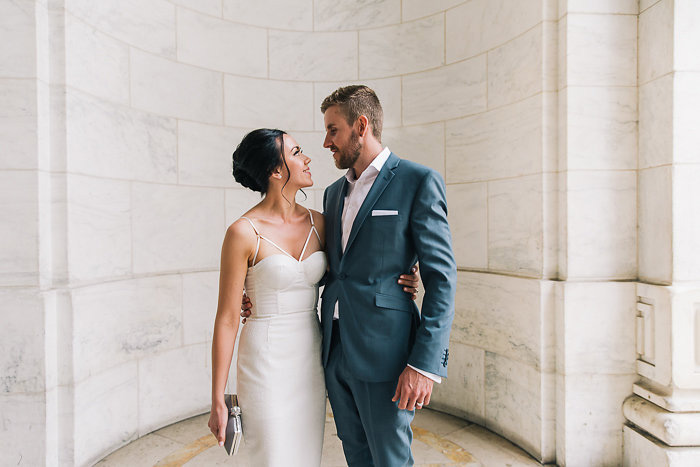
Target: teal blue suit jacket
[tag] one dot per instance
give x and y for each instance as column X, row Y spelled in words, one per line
column 381, row 329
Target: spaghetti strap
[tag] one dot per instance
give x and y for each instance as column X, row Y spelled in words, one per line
column 313, row 227
column 252, row 225
column 306, row 243
column 257, row 245
column 311, row 216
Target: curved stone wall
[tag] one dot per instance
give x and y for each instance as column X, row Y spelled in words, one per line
column 149, row 99
column 158, row 95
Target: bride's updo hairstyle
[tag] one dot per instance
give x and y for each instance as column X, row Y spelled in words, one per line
column 257, row 156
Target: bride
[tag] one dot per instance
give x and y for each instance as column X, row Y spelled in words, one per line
column 275, row 251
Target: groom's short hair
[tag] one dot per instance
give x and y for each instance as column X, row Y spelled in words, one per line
column 356, row 100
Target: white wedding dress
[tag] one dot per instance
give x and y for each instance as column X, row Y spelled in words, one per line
column 281, row 388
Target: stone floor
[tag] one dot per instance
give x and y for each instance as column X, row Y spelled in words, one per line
column 439, row 440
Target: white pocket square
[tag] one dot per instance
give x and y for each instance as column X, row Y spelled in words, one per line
column 383, row 212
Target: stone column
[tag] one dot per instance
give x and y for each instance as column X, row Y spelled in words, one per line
column 663, row 415
column 597, row 228
column 28, row 387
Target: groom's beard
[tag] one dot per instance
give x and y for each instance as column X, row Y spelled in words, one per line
column 348, row 157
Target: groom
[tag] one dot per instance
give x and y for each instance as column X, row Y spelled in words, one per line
column 381, row 356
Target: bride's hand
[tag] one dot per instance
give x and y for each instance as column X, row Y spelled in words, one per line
column 410, row 282
column 218, row 418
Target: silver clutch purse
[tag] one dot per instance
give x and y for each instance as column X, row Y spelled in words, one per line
column 234, row 428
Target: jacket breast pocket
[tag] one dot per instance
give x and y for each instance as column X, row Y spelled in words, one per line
column 391, row 302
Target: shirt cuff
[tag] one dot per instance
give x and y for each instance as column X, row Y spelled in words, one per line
column 435, row 378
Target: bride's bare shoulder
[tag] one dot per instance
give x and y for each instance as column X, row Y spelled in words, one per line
column 319, row 220
column 241, row 231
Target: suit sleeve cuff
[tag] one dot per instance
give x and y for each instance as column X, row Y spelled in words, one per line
column 435, row 378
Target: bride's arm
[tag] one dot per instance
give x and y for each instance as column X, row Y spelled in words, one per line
column 237, row 248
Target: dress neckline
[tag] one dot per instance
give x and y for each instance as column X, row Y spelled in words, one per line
column 286, row 253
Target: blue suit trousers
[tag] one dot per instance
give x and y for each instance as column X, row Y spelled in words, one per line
column 373, row 430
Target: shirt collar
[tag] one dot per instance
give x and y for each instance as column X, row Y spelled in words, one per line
column 374, row 167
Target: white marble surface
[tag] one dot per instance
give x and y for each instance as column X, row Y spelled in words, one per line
column 644, row 4
column 515, row 69
column 204, row 153
column 601, row 225
column 388, row 91
column 295, row 15
column 120, row 321
column 515, row 222
column 656, row 41
column 479, row 25
column 254, row 103
column 462, row 392
column 417, row 46
column 595, row 330
column 176, row 228
column 238, row 201
column 641, row 450
column 22, row 348
column 500, row 314
column 468, row 216
column 302, row 56
column 106, row 411
column 601, row 50
column 169, row 88
column 654, row 336
column 589, row 418
column 340, row 15
column 686, row 35
column 424, row 144
column 173, row 385
column 414, row 9
column 671, row 428
column 601, row 128
column 550, row 225
column 148, row 26
column 217, row 44
column 686, row 222
column 515, row 406
column 622, row 7
column 686, row 99
column 99, row 228
column 481, row 147
column 200, row 292
column 210, row 7
column 113, row 141
column 18, row 124
column 19, row 253
column 448, row 92
column 95, row 62
column 656, row 125
column 23, row 418
column 18, row 56
column 655, row 231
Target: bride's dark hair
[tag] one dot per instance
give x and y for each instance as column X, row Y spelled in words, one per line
column 259, row 153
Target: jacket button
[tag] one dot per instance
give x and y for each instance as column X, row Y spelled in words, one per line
column 342, row 276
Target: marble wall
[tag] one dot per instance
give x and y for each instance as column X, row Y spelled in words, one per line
column 667, row 390
column 547, row 118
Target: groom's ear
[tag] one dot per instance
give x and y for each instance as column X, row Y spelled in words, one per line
column 362, row 125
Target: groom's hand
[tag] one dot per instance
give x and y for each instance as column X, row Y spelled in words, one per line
column 246, row 305
column 413, row 390
column 410, row 281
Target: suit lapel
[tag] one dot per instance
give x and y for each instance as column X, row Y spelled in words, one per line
column 378, row 187
column 338, row 221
